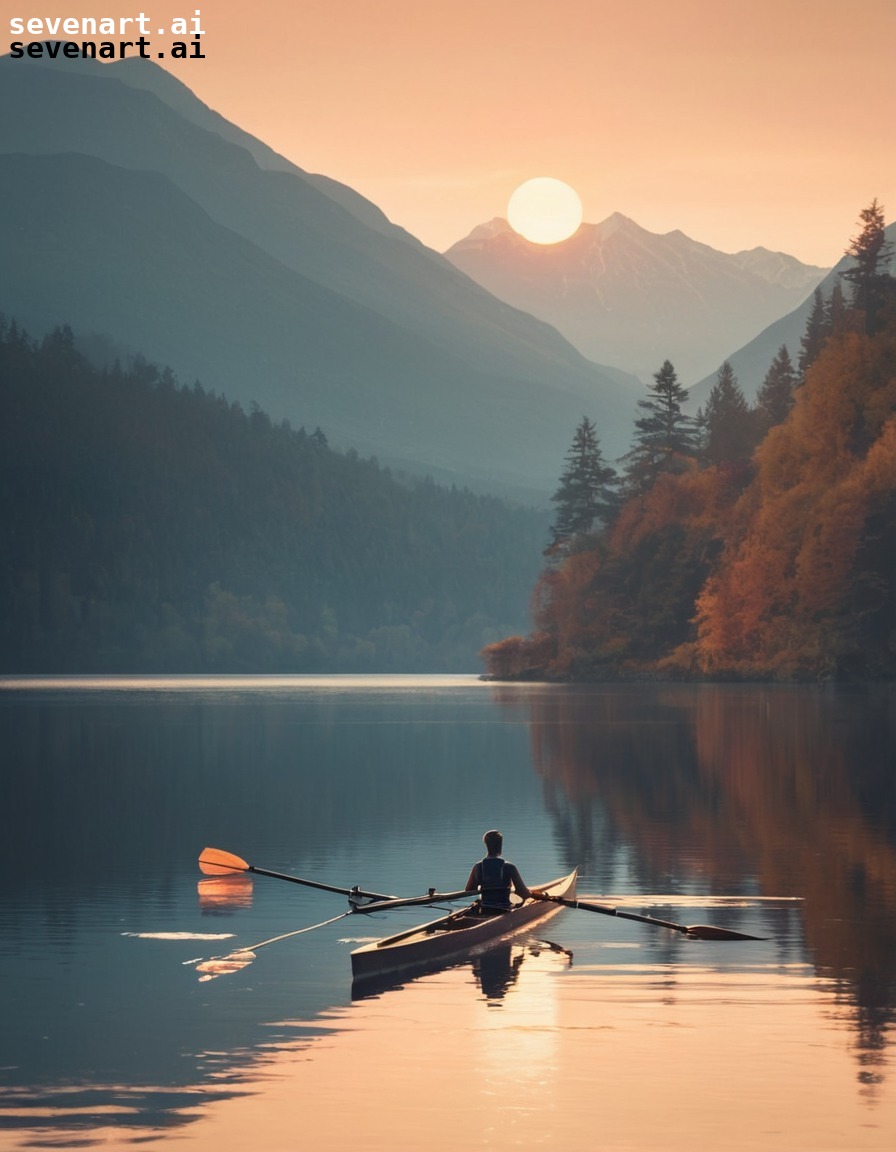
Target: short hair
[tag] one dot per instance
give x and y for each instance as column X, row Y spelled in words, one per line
column 493, row 840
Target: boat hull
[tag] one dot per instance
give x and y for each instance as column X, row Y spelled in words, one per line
column 456, row 935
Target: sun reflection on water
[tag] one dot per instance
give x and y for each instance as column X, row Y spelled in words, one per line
column 531, row 1038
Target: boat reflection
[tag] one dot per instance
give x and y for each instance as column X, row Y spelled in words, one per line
column 495, row 969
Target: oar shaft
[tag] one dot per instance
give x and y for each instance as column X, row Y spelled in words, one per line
column 431, row 897
column 217, row 862
column 698, row 931
column 642, row 919
column 606, row 910
column 318, row 884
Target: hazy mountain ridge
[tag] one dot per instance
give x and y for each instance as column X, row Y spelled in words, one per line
column 633, row 298
column 751, row 362
column 180, row 98
column 220, row 309
column 779, row 268
column 452, row 380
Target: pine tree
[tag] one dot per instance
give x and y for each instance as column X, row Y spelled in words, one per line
column 586, row 494
column 870, row 278
column 729, row 428
column 664, row 435
column 837, row 312
column 815, row 334
column 775, row 396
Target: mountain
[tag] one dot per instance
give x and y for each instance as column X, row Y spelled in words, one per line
column 133, row 72
column 751, row 362
column 632, row 298
column 142, row 215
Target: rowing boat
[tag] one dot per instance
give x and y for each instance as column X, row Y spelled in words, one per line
column 457, row 934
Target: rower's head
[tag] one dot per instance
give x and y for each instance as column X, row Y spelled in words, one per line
column 494, row 842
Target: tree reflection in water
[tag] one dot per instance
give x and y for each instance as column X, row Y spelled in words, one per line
column 777, row 790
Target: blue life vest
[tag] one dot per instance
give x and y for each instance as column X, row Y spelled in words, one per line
column 494, row 884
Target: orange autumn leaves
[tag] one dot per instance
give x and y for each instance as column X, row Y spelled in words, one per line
column 805, row 583
column 784, row 567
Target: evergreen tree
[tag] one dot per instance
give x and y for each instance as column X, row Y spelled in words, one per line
column 837, row 312
column 257, row 548
column 586, row 494
column 870, row 278
column 775, row 396
column 664, row 435
column 729, row 428
column 815, row 334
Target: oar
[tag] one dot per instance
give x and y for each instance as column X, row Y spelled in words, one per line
column 241, row 958
column 431, row 897
column 696, row 931
column 216, row 862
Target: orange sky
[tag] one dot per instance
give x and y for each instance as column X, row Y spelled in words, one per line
column 742, row 123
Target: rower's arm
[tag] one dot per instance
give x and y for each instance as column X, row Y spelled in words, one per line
column 473, row 879
column 518, row 885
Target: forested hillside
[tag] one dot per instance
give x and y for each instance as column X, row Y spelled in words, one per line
column 271, row 286
column 754, row 542
column 148, row 526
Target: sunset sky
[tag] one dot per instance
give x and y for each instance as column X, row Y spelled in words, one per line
column 769, row 122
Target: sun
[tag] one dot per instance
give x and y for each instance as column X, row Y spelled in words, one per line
column 545, row 210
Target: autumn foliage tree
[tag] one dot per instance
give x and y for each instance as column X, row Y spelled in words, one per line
column 777, row 566
column 806, row 584
column 624, row 604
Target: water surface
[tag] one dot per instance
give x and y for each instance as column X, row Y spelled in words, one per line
column 771, row 811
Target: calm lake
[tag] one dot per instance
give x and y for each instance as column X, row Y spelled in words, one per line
column 767, row 810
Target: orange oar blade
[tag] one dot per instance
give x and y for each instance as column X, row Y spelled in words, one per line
column 216, row 862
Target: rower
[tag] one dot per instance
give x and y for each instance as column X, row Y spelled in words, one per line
column 493, row 877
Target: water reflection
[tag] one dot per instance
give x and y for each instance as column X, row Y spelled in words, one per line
column 239, row 958
column 222, row 895
column 82, row 1117
column 495, row 970
column 775, row 808
column 767, row 790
